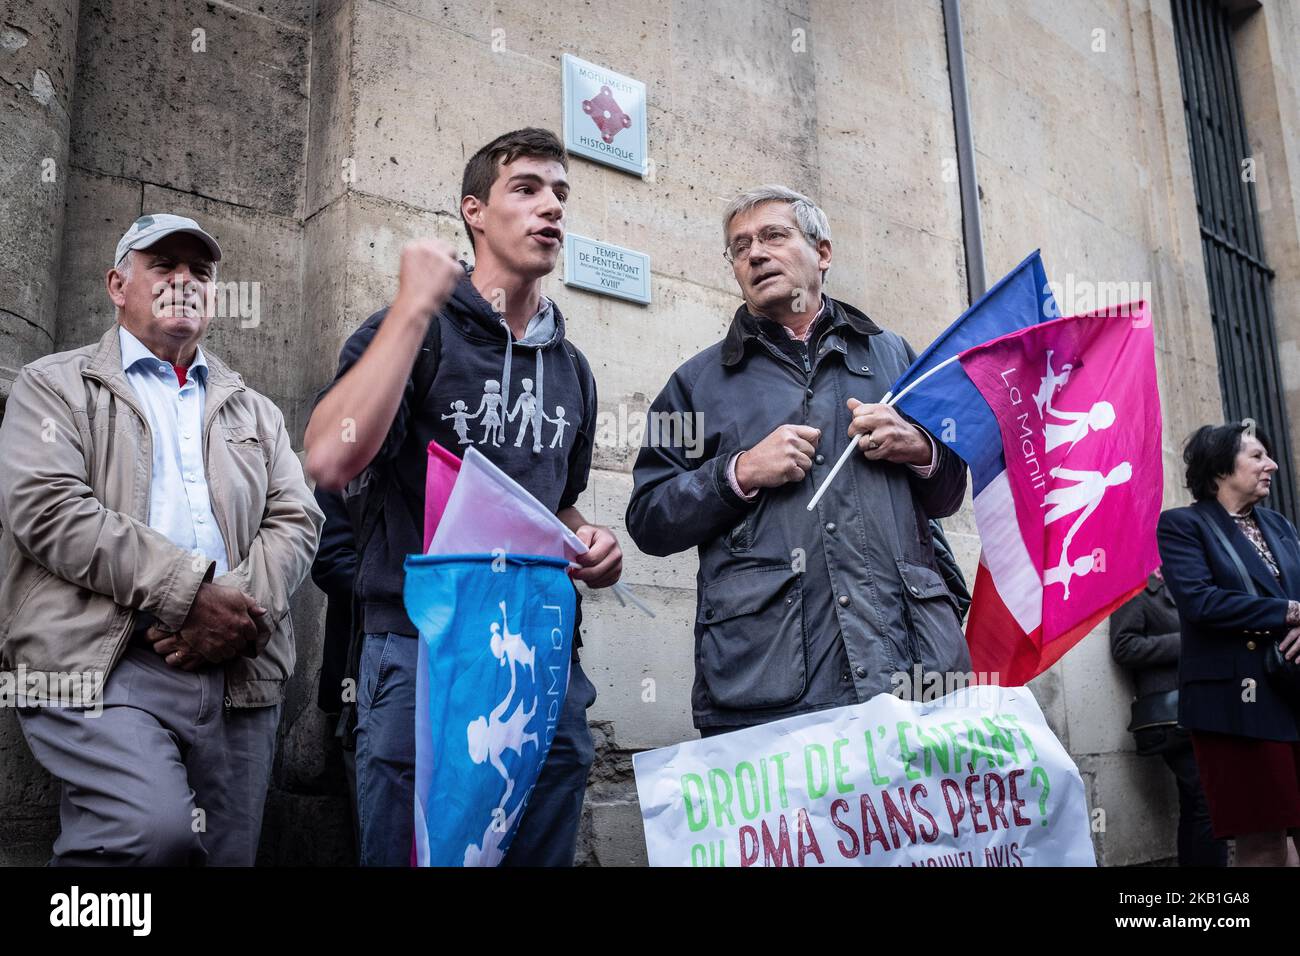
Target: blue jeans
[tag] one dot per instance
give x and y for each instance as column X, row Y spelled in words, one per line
column 548, row 831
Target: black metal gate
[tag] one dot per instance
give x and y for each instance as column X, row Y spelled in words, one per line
column 1238, row 277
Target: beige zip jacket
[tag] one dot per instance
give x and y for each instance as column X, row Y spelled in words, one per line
column 77, row 556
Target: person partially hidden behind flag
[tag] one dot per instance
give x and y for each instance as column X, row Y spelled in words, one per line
column 465, row 358
column 1145, row 640
column 798, row 612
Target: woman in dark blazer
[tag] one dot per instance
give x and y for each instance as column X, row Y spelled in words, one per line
column 1245, row 732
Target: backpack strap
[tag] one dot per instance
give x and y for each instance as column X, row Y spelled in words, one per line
column 581, row 369
column 371, row 488
column 427, row 362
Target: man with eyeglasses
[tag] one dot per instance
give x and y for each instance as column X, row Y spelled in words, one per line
column 799, row 611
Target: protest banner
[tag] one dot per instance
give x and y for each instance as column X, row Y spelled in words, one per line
column 975, row 778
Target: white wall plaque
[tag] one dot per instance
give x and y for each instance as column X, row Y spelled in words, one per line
column 604, row 116
column 606, row 268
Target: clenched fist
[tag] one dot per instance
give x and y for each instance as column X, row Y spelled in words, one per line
column 884, row 435
column 783, row 456
column 428, row 276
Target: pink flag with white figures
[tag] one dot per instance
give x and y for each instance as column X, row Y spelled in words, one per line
column 1069, row 530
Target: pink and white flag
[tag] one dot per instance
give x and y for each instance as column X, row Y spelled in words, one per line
column 1068, row 528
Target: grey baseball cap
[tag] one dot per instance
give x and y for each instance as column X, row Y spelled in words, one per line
column 147, row 230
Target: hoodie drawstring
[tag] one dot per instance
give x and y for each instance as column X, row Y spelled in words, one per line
column 540, row 408
column 539, row 368
column 505, row 376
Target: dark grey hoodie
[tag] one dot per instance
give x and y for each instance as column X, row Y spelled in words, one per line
column 529, row 408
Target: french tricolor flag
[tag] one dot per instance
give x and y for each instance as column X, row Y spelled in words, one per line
column 1059, row 421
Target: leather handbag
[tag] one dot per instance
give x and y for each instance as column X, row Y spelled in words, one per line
column 1154, row 723
column 1283, row 675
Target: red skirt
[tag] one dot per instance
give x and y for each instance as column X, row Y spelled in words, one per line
column 1251, row 786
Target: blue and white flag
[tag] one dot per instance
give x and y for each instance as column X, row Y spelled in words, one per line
column 496, row 633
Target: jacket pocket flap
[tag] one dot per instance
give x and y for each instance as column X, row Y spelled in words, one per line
column 923, row 582
column 743, row 593
column 241, row 435
column 1209, row 667
column 859, row 362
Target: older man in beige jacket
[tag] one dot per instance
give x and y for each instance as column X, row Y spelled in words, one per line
column 155, row 524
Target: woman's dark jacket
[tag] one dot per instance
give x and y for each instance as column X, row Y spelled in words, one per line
column 1225, row 629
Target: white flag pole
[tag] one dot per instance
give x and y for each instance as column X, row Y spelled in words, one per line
column 888, row 399
column 844, row 456
column 817, row 496
column 621, row 591
column 918, row 380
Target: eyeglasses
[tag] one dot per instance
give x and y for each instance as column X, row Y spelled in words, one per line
column 771, row 236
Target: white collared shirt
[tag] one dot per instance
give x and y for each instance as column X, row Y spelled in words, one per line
column 179, row 505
